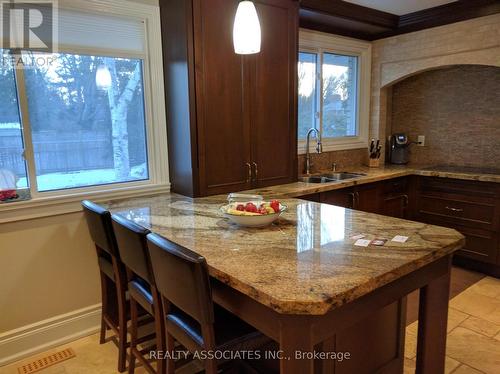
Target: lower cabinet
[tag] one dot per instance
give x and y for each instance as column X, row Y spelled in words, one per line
column 388, row 197
column 470, row 207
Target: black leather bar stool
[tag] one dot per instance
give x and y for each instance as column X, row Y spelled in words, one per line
column 192, row 318
column 131, row 240
column 113, row 279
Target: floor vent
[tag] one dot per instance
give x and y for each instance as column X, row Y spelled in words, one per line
column 47, row 361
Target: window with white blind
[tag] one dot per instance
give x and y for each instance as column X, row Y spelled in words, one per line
column 333, row 90
column 88, row 117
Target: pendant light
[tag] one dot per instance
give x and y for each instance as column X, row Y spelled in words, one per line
column 103, row 78
column 246, row 29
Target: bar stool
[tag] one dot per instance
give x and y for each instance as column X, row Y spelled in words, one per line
column 131, row 240
column 112, row 273
column 181, row 277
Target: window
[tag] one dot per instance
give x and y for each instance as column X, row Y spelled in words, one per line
column 83, row 135
column 65, row 129
column 333, row 90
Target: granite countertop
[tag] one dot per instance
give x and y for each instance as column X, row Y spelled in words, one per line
column 298, row 189
column 306, row 262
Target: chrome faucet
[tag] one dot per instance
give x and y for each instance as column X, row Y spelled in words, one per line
column 319, row 147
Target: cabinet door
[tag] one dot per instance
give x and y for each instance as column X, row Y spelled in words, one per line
column 273, row 104
column 344, row 197
column 395, row 205
column 368, row 198
column 222, row 117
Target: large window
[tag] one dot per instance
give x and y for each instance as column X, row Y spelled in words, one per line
column 333, row 84
column 81, row 119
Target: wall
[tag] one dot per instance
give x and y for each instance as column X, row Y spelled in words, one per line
column 475, row 41
column 48, row 268
column 457, row 109
column 345, row 160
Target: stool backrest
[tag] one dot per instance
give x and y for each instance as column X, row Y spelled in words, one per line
column 100, row 228
column 181, row 277
column 131, row 240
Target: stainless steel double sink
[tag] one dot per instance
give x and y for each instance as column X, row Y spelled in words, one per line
column 330, row 177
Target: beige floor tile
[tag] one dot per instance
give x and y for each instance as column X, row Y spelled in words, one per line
column 481, row 326
column 410, row 345
column 464, row 369
column 455, row 318
column 450, row 364
column 409, row 366
column 473, row 349
column 487, row 286
column 478, row 305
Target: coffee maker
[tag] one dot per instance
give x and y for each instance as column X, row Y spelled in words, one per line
column 399, row 149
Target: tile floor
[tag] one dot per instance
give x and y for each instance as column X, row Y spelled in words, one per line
column 473, row 344
column 473, row 339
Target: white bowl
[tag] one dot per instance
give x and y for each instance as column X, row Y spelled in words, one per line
column 252, row 221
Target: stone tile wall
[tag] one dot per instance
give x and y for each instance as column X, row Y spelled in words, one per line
column 457, row 109
column 475, row 41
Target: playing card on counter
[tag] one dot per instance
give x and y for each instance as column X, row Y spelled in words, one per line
column 362, row 242
column 378, row 241
column 359, row 236
column 399, row 239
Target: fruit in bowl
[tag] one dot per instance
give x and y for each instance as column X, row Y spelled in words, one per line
column 253, row 213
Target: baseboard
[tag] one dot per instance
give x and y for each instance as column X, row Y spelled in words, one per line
column 41, row 336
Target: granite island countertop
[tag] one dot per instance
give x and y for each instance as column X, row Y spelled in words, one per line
column 306, row 262
column 297, row 189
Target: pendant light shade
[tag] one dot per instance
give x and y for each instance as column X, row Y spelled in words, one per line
column 246, row 30
column 103, row 78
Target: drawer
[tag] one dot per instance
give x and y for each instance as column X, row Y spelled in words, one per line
column 458, row 211
column 480, row 245
column 459, row 187
column 397, row 185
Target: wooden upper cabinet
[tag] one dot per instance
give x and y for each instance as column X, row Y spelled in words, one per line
column 222, row 115
column 237, row 130
column 273, row 108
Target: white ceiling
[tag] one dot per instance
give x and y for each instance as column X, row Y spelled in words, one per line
column 400, row 7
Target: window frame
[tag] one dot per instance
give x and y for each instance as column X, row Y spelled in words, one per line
column 68, row 200
column 319, row 43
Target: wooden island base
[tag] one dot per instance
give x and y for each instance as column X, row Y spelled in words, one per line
column 371, row 328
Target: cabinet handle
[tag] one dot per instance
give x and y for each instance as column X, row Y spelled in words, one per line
column 249, row 177
column 353, row 197
column 256, row 170
column 406, row 201
column 357, row 199
column 454, row 209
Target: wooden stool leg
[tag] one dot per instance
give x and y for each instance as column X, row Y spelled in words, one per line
column 122, row 341
column 133, row 335
column 170, row 349
column 104, row 307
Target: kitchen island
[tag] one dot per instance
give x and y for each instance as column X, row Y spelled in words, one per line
column 304, row 283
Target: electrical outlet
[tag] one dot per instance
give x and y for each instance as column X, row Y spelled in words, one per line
column 421, row 140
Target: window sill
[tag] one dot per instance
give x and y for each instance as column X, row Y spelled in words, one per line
column 330, row 146
column 57, row 205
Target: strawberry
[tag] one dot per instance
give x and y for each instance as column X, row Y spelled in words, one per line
column 240, row 207
column 250, row 207
column 275, row 204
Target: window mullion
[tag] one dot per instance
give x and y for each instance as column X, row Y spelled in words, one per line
column 29, row 154
column 320, row 91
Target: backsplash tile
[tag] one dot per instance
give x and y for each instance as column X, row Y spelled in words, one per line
column 458, row 111
column 344, row 159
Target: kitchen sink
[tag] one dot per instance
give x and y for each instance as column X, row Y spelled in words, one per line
column 316, row 179
column 341, row 176
column 331, row 177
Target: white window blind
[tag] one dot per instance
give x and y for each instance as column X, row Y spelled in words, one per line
column 81, row 31
column 106, row 33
